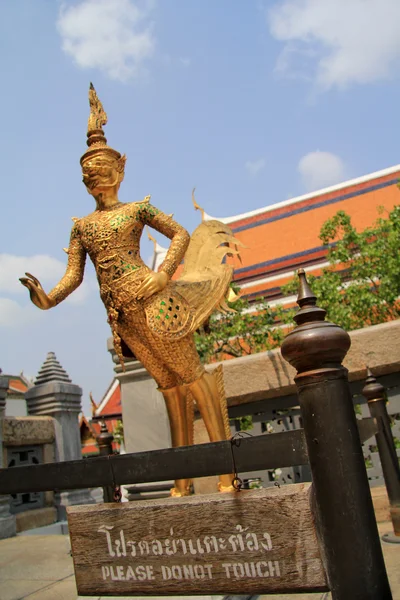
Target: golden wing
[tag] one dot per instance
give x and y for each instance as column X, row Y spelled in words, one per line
column 205, row 278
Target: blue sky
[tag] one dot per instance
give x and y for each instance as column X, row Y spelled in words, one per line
column 251, row 102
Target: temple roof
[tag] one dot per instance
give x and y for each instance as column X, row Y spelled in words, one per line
column 309, row 196
column 17, row 385
column 111, row 401
column 51, row 370
column 280, row 238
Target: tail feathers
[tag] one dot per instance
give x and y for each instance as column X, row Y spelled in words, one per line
column 224, row 308
column 210, row 243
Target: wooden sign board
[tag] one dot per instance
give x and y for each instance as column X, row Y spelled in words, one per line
column 252, row 541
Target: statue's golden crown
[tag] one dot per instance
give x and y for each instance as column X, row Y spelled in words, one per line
column 96, row 140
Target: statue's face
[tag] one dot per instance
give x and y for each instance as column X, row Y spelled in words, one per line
column 100, row 173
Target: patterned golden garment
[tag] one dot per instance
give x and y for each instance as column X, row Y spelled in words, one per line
column 111, row 237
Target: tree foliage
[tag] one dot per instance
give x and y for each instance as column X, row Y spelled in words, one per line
column 118, row 432
column 360, row 287
column 239, row 333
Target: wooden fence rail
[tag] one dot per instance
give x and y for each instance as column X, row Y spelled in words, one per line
column 251, row 454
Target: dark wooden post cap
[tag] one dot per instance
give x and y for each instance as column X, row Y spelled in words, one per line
column 372, row 389
column 314, row 343
column 105, row 438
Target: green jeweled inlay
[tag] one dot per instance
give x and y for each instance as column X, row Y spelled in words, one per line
column 74, row 232
column 146, row 212
column 119, row 220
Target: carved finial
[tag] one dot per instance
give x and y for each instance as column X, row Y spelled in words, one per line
column 305, row 295
column 104, row 439
column 307, row 301
column 93, row 404
column 314, row 343
column 372, row 390
column 196, row 206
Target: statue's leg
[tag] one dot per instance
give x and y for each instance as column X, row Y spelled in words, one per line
column 137, row 337
column 175, row 400
column 208, row 399
column 181, row 356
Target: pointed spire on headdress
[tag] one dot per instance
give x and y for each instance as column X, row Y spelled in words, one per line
column 97, row 119
column 96, row 139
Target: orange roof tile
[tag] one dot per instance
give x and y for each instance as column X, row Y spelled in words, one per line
column 17, row 385
column 111, row 404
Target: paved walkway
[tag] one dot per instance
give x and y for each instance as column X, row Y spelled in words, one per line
column 39, row 567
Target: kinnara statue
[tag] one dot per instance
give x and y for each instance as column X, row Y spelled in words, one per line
column 152, row 317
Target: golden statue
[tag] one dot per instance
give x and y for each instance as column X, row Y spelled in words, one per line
column 152, row 317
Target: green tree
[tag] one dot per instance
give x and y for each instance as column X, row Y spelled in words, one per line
column 361, row 286
column 118, row 432
column 247, row 330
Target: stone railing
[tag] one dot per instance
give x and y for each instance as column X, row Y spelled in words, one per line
column 30, row 440
column 262, row 385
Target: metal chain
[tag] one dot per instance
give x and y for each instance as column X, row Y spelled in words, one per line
column 117, row 493
column 235, row 440
column 117, row 496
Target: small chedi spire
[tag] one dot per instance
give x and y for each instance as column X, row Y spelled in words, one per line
column 51, row 370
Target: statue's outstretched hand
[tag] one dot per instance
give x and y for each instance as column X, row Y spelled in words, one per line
column 153, row 283
column 36, row 292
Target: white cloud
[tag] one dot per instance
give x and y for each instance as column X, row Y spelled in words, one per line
column 13, row 314
column 321, row 169
column 47, row 269
column 114, row 36
column 254, row 167
column 44, row 267
column 337, row 42
column 185, row 61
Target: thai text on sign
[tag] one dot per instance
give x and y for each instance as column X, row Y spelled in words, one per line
column 258, row 540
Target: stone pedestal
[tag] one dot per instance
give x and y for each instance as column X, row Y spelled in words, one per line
column 146, row 425
column 56, row 396
column 7, row 520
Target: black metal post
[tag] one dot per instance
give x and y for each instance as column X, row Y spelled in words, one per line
column 375, row 393
column 104, row 442
column 344, row 511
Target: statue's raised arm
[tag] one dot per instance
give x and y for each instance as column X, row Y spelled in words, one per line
column 71, row 280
